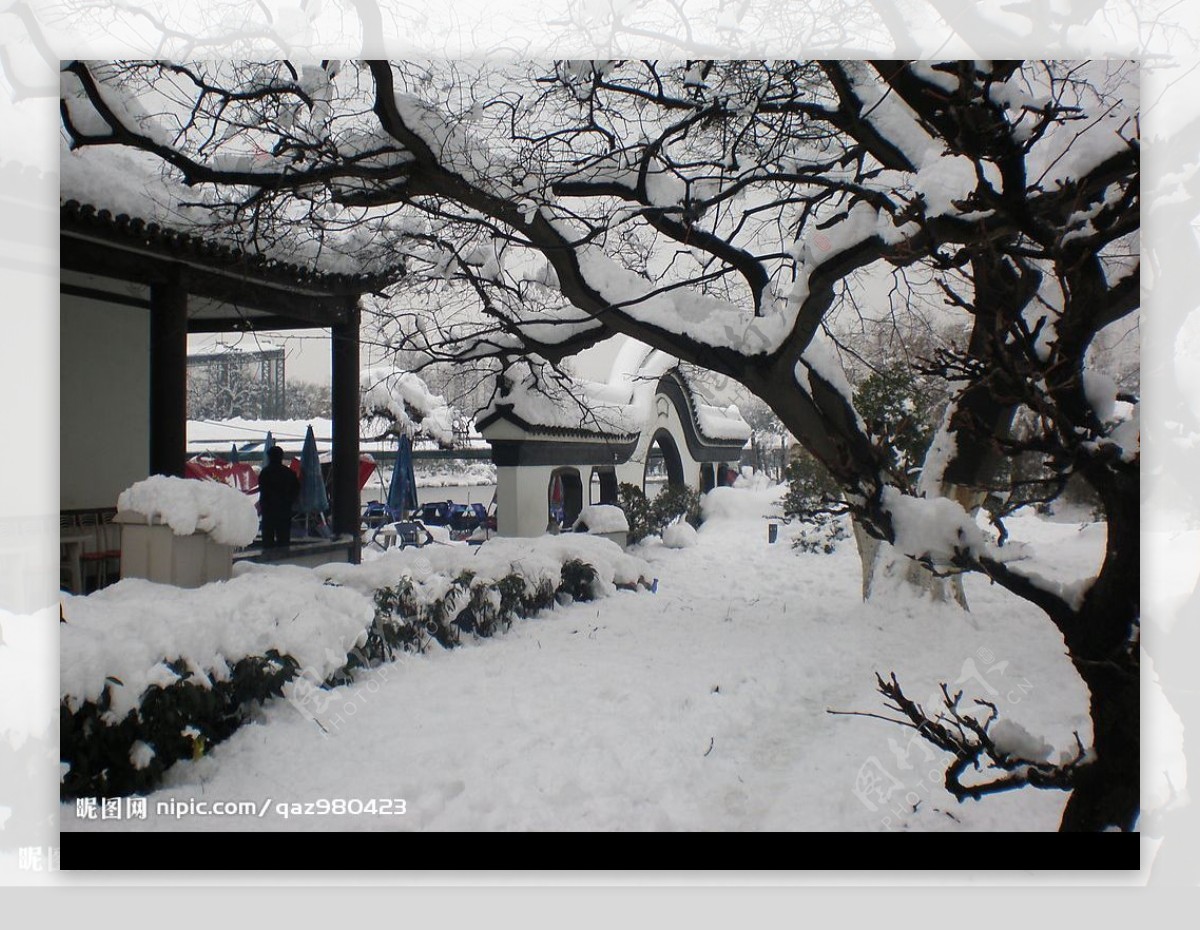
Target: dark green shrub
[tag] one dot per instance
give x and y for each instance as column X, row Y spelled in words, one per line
column 674, row 502
column 519, row 599
column 394, row 627
column 901, row 411
column 813, row 499
column 648, row 518
column 175, row 721
column 483, row 613
column 637, row 510
column 811, row 489
column 578, row 580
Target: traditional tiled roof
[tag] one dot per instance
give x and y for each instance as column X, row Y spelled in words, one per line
column 84, row 219
column 503, row 411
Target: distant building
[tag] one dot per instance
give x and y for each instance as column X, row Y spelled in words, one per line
column 251, row 374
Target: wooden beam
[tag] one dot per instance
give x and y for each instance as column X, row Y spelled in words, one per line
column 103, row 296
column 345, row 391
column 168, row 376
column 252, row 324
column 238, row 289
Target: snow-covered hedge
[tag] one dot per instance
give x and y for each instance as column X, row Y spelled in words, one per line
column 152, row 673
column 407, row 619
column 538, row 560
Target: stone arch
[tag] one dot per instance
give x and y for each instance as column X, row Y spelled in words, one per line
column 671, row 458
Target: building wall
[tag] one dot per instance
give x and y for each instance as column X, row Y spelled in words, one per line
column 523, row 498
column 104, row 401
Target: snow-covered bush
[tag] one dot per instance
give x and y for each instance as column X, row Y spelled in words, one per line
column 649, row 517
column 821, row 534
column 176, row 669
column 107, row 754
column 407, row 619
column 679, row 535
column 812, row 499
column 578, row 581
column 152, row 673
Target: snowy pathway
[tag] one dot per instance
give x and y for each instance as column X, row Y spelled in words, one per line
column 701, row 707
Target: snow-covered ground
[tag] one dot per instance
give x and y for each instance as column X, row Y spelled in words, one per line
column 700, row 707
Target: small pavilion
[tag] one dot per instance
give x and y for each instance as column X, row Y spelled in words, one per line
column 584, row 439
column 133, row 285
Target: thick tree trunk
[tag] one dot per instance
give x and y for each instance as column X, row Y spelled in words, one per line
column 1106, row 793
column 884, row 569
column 868, row 554
column 1103, row 643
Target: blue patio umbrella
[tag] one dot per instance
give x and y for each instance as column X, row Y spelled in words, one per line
column 234, row 458
column 313, row 498
column 266, row 460
column 402, row 492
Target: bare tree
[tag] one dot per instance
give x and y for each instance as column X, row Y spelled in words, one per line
column 223, row 390
column 721, row 211
column 769, row 440
column 306, row 400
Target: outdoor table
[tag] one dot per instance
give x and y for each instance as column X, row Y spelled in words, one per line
column 72, row 545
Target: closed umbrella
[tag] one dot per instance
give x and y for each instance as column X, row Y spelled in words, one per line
column 402, row 493
column 234, row 458
column 313, row 498
column 556, row 499
column 267, row 448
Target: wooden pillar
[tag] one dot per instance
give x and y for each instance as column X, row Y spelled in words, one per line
column 345, row 378
column 168, row 376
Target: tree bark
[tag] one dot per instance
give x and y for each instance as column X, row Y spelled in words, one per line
column 881, row 563
column 1107, row 792
column 1103, row 641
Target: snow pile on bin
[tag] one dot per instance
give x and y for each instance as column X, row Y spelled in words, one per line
column 602, row 518
column 188, row 506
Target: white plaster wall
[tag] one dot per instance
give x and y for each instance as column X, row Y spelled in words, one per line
column 523, row 500
column 104, row 401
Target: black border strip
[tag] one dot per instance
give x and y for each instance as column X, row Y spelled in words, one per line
column 941, row 854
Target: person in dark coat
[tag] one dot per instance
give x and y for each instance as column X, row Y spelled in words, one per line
column 278, row 488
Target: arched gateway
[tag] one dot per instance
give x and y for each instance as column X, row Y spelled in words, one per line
column 558, row 447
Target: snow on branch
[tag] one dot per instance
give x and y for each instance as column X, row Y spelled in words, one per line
column 1008, row 754
column 405, row 400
